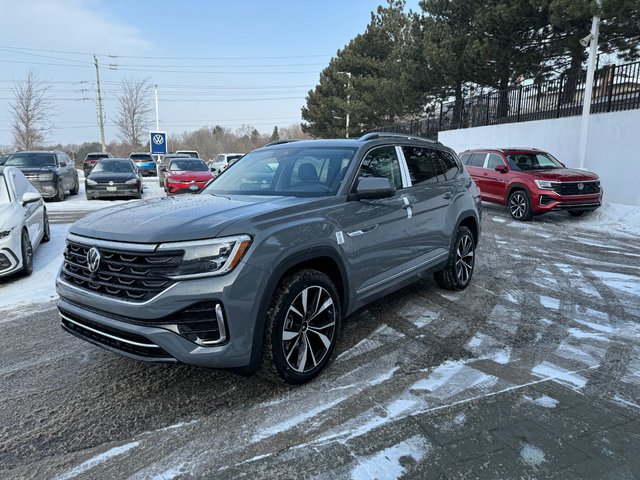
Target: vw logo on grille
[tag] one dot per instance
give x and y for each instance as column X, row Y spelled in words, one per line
column 581, row 186
column 110, row 182
column 93, row 259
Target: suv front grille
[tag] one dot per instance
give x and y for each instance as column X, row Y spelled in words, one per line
column 130, row 276
column 572, row 188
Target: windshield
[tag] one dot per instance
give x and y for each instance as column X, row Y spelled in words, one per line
column 291, row 171
column 32, row 160
column 4, row 194
column 114, row 167
column 141, row 157
column 188, row 165
column 532, row 161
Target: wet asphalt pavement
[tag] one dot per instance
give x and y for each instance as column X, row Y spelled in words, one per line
column 532, row 372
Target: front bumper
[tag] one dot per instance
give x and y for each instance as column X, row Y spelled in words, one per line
column 180, row 188
column 547, row 201
column 159, row 327
column 48, row 188
column 121, row 190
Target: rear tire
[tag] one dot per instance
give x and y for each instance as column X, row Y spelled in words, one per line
column 519, row 205
column 27, row 254
column 457, row 273
column 302, row 328
column 76, row 187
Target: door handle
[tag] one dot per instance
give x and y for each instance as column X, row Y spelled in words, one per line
column 447, row 195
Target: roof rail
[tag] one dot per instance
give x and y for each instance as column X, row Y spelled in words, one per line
column 278, row 142
column 375, row 135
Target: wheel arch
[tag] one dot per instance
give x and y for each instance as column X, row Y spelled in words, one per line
column 323, row 259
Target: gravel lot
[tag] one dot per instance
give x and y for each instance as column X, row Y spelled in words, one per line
column 532, row 372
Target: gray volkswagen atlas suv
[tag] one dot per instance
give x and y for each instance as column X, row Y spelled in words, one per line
column 259, row 269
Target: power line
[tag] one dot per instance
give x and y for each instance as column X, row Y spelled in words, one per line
column 163, row 57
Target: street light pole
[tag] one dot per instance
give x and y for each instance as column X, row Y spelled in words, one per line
column 157, row 118
column 588, row 88
column 348, row 74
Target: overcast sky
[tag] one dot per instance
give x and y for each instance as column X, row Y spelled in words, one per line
column 232, row 63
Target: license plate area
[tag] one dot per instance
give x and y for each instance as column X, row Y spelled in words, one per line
column 112, row 189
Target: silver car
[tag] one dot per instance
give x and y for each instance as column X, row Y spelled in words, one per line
column 259, row 269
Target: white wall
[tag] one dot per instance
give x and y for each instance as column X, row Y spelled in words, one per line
column 613, row 146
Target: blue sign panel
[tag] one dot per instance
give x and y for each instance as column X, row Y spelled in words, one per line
column 158, row 142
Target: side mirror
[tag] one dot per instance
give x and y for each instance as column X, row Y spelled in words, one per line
column 30, row 197
column 502, row 169
column 371, row 188
column 63, row 164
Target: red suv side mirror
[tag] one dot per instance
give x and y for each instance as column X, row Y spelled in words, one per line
column 502, row 168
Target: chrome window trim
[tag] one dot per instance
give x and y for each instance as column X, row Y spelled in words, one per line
column 404, row 169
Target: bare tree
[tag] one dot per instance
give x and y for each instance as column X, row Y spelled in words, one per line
column 31, row 112
column 133, row 116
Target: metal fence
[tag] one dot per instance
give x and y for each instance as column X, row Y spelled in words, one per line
column 615, row 87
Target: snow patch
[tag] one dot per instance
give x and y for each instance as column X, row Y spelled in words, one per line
column 544, row 401
column 581, row 334
column 171, row 473
column 386, row 464
column 92, row 462
column 550, row 302
column 452, row 378
column 531, row 455
column 553, row 372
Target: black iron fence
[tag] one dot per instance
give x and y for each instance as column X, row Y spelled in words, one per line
column 615, row 87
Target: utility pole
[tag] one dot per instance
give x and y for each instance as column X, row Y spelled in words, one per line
column 100, row 111
column 348, row 74
column 588, row 87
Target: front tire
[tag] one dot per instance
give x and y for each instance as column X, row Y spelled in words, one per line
column 577, row 213
column 302, row 328
column 46, row 235
column 457, row 273
column 520, row 205
column 59, row 193
column 27, row 254
column 76, row 187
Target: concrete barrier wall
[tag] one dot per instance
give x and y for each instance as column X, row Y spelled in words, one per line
column 613, row 146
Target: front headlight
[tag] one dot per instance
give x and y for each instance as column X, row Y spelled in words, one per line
column 6, row 233
column 171, row 180
column 45, row 177
column 205, row 258
column 91, row 182
column 545, row 184
column 133, row 181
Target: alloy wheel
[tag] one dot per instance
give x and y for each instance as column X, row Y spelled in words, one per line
column 464, row 259
column 518, row 205
column 309, row 329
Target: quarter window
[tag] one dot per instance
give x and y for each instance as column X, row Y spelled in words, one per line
column 446, row 166
column 382, row 162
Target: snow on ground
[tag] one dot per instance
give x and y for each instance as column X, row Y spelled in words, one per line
column 614, row 216
column 79, row 202
column 40, row 285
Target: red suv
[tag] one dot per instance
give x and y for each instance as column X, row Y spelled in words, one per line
column 186, row 175
column 531, row 182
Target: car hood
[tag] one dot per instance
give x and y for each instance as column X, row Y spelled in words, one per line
column 564, row 175
column 174, row 219
column 116, row 177
column 8, row 217
column 187, row 176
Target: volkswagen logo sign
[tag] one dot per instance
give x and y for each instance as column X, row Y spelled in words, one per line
column 581, row 186
column 93, row 259
column 158, row 139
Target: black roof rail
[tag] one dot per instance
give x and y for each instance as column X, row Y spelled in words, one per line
column 278, row 142
column 375, row 135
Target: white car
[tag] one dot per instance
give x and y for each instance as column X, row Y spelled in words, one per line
column 23, row 222
column 221, row 162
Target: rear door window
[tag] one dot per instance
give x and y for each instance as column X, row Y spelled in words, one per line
column 421, row 163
